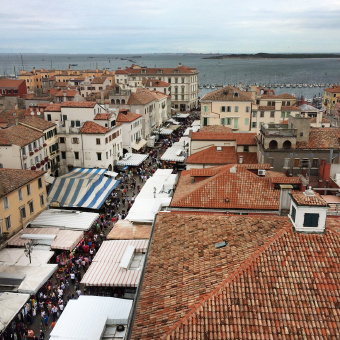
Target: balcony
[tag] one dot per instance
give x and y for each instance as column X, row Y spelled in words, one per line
column 277, row 130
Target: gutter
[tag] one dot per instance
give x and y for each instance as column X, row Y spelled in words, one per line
column 136, row 300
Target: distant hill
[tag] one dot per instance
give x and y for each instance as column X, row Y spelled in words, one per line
column 275, row 56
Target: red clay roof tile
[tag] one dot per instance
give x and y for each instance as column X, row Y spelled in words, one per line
column 93, row 128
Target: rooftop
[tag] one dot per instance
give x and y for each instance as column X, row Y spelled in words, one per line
column 11, row 83
column 305, row 199
column 141, row 97
column 321, row 138
column 78, row 104
column 19, row 135
column 37, row 123
column 333, row 89
column 93, row 128
column 13, row 179
column 102, row 116
column 127, row 116
column 226, row 187
column 227, row 93
column 53, row 108
column 266, row 283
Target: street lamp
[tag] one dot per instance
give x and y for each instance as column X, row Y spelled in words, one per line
column 28, row 249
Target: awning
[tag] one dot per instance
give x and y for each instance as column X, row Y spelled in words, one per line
column 174, row 127
column 132, row 159
column 139, row 145
column 163, row 131
column 16, row 256
column 88, row 317
column 10, row 305
column 49, row 179
column 83, row 188
column 67, row 239
column 105, row 269
column 65, row 219
column 182, row 115
column 17, row 241
column 111, row 174
column 34, row 276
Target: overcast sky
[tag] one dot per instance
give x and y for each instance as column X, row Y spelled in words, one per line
column 130, row 26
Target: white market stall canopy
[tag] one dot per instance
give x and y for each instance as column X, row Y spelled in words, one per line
column 18, row 241
column 106, row 268
column 192, row 128
column 89, row 317
column 132, row 159
column 177, row 152
column 31, row 277
column 155, row 194
column 65, row 219
column 139, row 145
column 10, row 305
column 181, row 115
column 82, row 188
column 16, row 256
column 196, row 123
column 173, row 121
column 163, row 131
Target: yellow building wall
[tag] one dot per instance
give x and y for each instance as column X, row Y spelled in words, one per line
column 14, row 206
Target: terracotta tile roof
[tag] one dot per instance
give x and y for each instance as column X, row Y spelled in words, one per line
column 141, row 97
column 37, row 123
column 102, row 116
column 53, row 91
column 226, row 190
column 279, row 96
column 78, row 104
column 53, row 108
column 324, row 120
column 304, row 199
column 11, row 83
column 60, row 84
column 260, row 286
column 98, row 80
column 13, row 179
column 10, row 115
column 118, row 71
column 248, row 157
column 321, row 138
column 93, row 128
column 19, row 135
column 227, row 93
column 128, row 117
column 333, row 89
column 285, row 180
column 216, row 129
column 153, row 82
column 67, row 93
column 226, row 155
column 241, row 138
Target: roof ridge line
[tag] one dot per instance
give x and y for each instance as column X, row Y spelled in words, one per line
column 243, row 266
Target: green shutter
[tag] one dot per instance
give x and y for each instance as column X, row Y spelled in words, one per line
column 246, row 121
column 282, row 114
column 311, row 220
column 235, row 123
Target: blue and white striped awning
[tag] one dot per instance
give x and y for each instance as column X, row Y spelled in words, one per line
column 82, row 188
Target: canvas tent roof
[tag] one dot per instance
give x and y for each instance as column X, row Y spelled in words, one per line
column 82, row 188
column 105, row 269
column 87, row 317
column 132, row 159
column 10, row 305
column 33, row 277
column 65, row 219
column 16, row 256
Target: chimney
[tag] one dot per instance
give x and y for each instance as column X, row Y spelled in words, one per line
column 16, row 121
column 179, row 64
column 240, row 159
column 285, row 199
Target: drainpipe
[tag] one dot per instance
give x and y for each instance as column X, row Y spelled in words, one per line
column 330, row 156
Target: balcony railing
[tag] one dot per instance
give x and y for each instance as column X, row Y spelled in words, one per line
column 334, row 209
column 278, row 131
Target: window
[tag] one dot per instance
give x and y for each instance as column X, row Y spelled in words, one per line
column 23, row 151
column 261, row 114
column 98, row 141
column 72, row 123
column 205, row 108
column 77, row 123
column 99, row 156
column 305, row 163
column 282, row 114
column 205, row 121
column 311, row 220
column 42, row 200
column 30, row 206
column 22, row 212
column 28, row 187
column 49, row 118
column 286, row 163
column 75, row 140
column 253, row 124
column 247, row 108
column 246, row 121
column 228, row 121
column 296, row 162
column 228, row 108
column 222, row 121
column 246, row 148
column 293, row 214
column 254, row 113
column 301, row 134
column 5, row 203
column 62, row 140
column 20, row 195
column 76, row 155
column 315, row 163
column 63, row 155
column 236, row 108
column 8, row 222
column 222, row 108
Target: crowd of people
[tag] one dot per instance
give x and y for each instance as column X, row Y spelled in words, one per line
column 50, row 301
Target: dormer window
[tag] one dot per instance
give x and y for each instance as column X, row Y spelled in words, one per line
column 159, row 71
column 176, row 71
column 143, row 71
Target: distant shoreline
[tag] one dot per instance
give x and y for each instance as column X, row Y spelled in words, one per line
column 277, row 56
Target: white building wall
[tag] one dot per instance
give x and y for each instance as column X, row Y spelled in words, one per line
column 131, row 131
